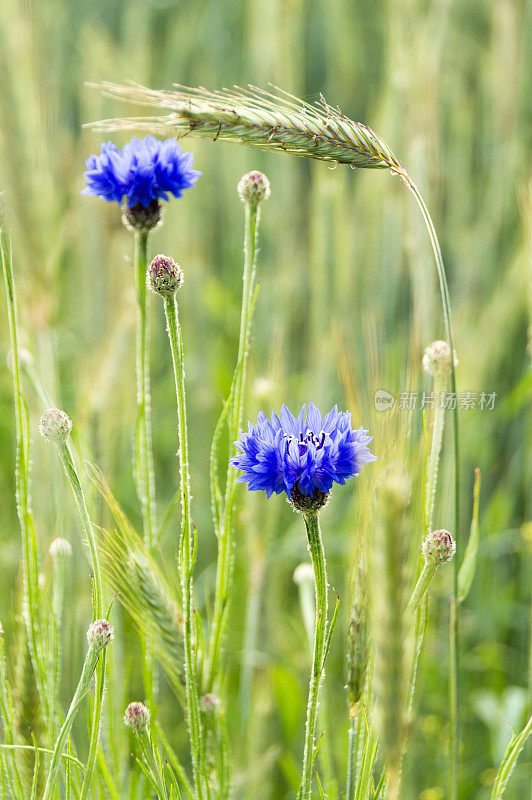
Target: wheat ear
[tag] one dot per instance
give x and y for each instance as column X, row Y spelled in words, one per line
column 268, row 120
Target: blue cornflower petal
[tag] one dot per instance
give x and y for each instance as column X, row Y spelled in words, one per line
column 308, row 453
column 144, row 170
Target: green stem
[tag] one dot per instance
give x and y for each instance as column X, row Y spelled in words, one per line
column 186, row 561
column 153, row 764
column 434, row 456
column 144, row 471
column 224, row 571
column 351, row 762
column 427, row 574
column 82, row 688
column 68, row 463
column 145, row 476
column 65, row 455
column 454, row 620
column 23, row 489
column 317, row 555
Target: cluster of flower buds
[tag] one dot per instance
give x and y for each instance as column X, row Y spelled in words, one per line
column 254, row 188
column 164, row 276
column 437, row 359
column 55, row 426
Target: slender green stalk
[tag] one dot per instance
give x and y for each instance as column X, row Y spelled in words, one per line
column 30, row 567
column 144, row 472
column 83, row 686
column 186, row 556
column 68, row 463
column 148, row 750
column 454, row 667
column 351, row 761
column 434, row 455
column 65, row 455
column 427, row 574
column 317, row 556
column 225, row 532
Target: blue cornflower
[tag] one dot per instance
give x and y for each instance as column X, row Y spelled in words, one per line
column 145, row 170
column 302, row 456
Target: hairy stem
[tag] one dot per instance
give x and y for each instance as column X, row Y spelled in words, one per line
column 81, row 690
column 427, row 574
column 186, row 556
column 317, row 556
column 30, row 567
column 73, row 478
column 224, row 573
column 144, row 472
column 434, row 455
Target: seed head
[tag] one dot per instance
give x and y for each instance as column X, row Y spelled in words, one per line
column 164, row 276
column 137, row 717
column 60, row 549
column 253, row 188
column 438, row 547
column 100, row 634
column 55, row 426
column 437, row 359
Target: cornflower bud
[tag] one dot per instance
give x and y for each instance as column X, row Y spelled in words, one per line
column 164, row 276
column 100, row 634
column 137, row 717
column 55, row 426
column 437, row 359
column 438, row 547
column 253, row 188
column 209, row 703
column 60, row 549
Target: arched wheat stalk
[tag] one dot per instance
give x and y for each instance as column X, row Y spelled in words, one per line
column 276, row 120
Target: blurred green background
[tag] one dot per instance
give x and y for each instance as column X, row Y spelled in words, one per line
column 348, row 300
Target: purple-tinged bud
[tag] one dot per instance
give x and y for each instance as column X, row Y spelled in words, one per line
column 253, row 188
column 164, row 276
column 209, row 703
column 100, row 634
column 437, row 359
column 60, row 549
column 137, row 717
column 142, row 218
column 438, row 547
column 55, row 426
